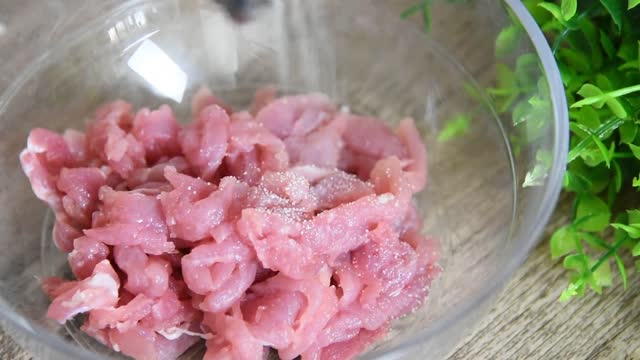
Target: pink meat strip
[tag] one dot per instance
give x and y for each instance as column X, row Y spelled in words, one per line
column 253, row 150
column 110, row 140
column 194, row 207
column 99, row 290
column 147, row 275
column 417, row 169
column 204, row 98
column 361, row 152
column 262, row 98
column 64, row 233
column 158, row 132
column 205, row 141
column 130, row 218
column 288, row 227
column 86, row 254
column 80, row 187
column 220, row 272
column 234, row 340
column 281, row 115
column 43, row 159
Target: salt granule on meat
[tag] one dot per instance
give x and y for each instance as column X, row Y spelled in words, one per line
column 289, row 227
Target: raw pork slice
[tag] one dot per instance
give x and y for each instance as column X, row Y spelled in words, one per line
column 287, row 228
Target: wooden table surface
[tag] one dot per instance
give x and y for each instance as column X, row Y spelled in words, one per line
column 528, row 322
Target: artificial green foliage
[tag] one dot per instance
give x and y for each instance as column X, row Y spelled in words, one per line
column 457, row 126
column 596, row 44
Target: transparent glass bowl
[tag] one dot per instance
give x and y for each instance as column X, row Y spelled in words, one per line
column 491, row 190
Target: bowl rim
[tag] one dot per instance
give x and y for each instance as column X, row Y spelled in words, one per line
column 550, row 196
column 533, row 232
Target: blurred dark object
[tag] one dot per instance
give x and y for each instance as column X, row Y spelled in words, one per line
column 242, row 10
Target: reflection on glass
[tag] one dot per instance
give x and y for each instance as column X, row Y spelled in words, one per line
column 219, row 39
column 130, row 23
column 156, row 67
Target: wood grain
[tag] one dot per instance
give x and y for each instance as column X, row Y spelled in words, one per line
column 528, row 322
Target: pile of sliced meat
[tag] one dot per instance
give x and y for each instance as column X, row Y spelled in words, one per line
column 287, row 227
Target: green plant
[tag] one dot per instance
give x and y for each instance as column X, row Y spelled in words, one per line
column 596, row 44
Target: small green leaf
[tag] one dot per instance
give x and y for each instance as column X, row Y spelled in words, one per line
column 412, row 10
column 612, row 152
column 599, row 176
column 576, row 59
column 540, row 171
column 623, row 91
column 563, row 241
column 527, row 70
column 590, row 91
column 632, row 4
column 635, row 150
column 594, row 241
column 593, row 158
column 631, row 230
column 473, row 91
column 633, row 216
column 636, row 249
column 616, row 10
column 607, row 44
column 574, row 289
column 603, row 150
column 603, row 82
column 521, row 112
column 606, row 128
column 591, row 97
column 619, row 235
column 567, row 73
column 568, row 8
column 554, row 10
column 591, row 35
column 576, row 182
column 601, row 277
column 595, row 210
column 577, row 262
column 584, row 131
column 456, row 127
column 622, row 270
column 507, row 40
column 544, row 91
column 536, row 176
column 636, row 182
column 628, row 132
column 616, row 108
column 589, row 117
column 618, row 176
column 426, row 16
column 628, row 50
column 506, row 78
column 612, row 194
column 629, row 65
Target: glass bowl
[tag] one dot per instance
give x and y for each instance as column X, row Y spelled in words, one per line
column 483, row 73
